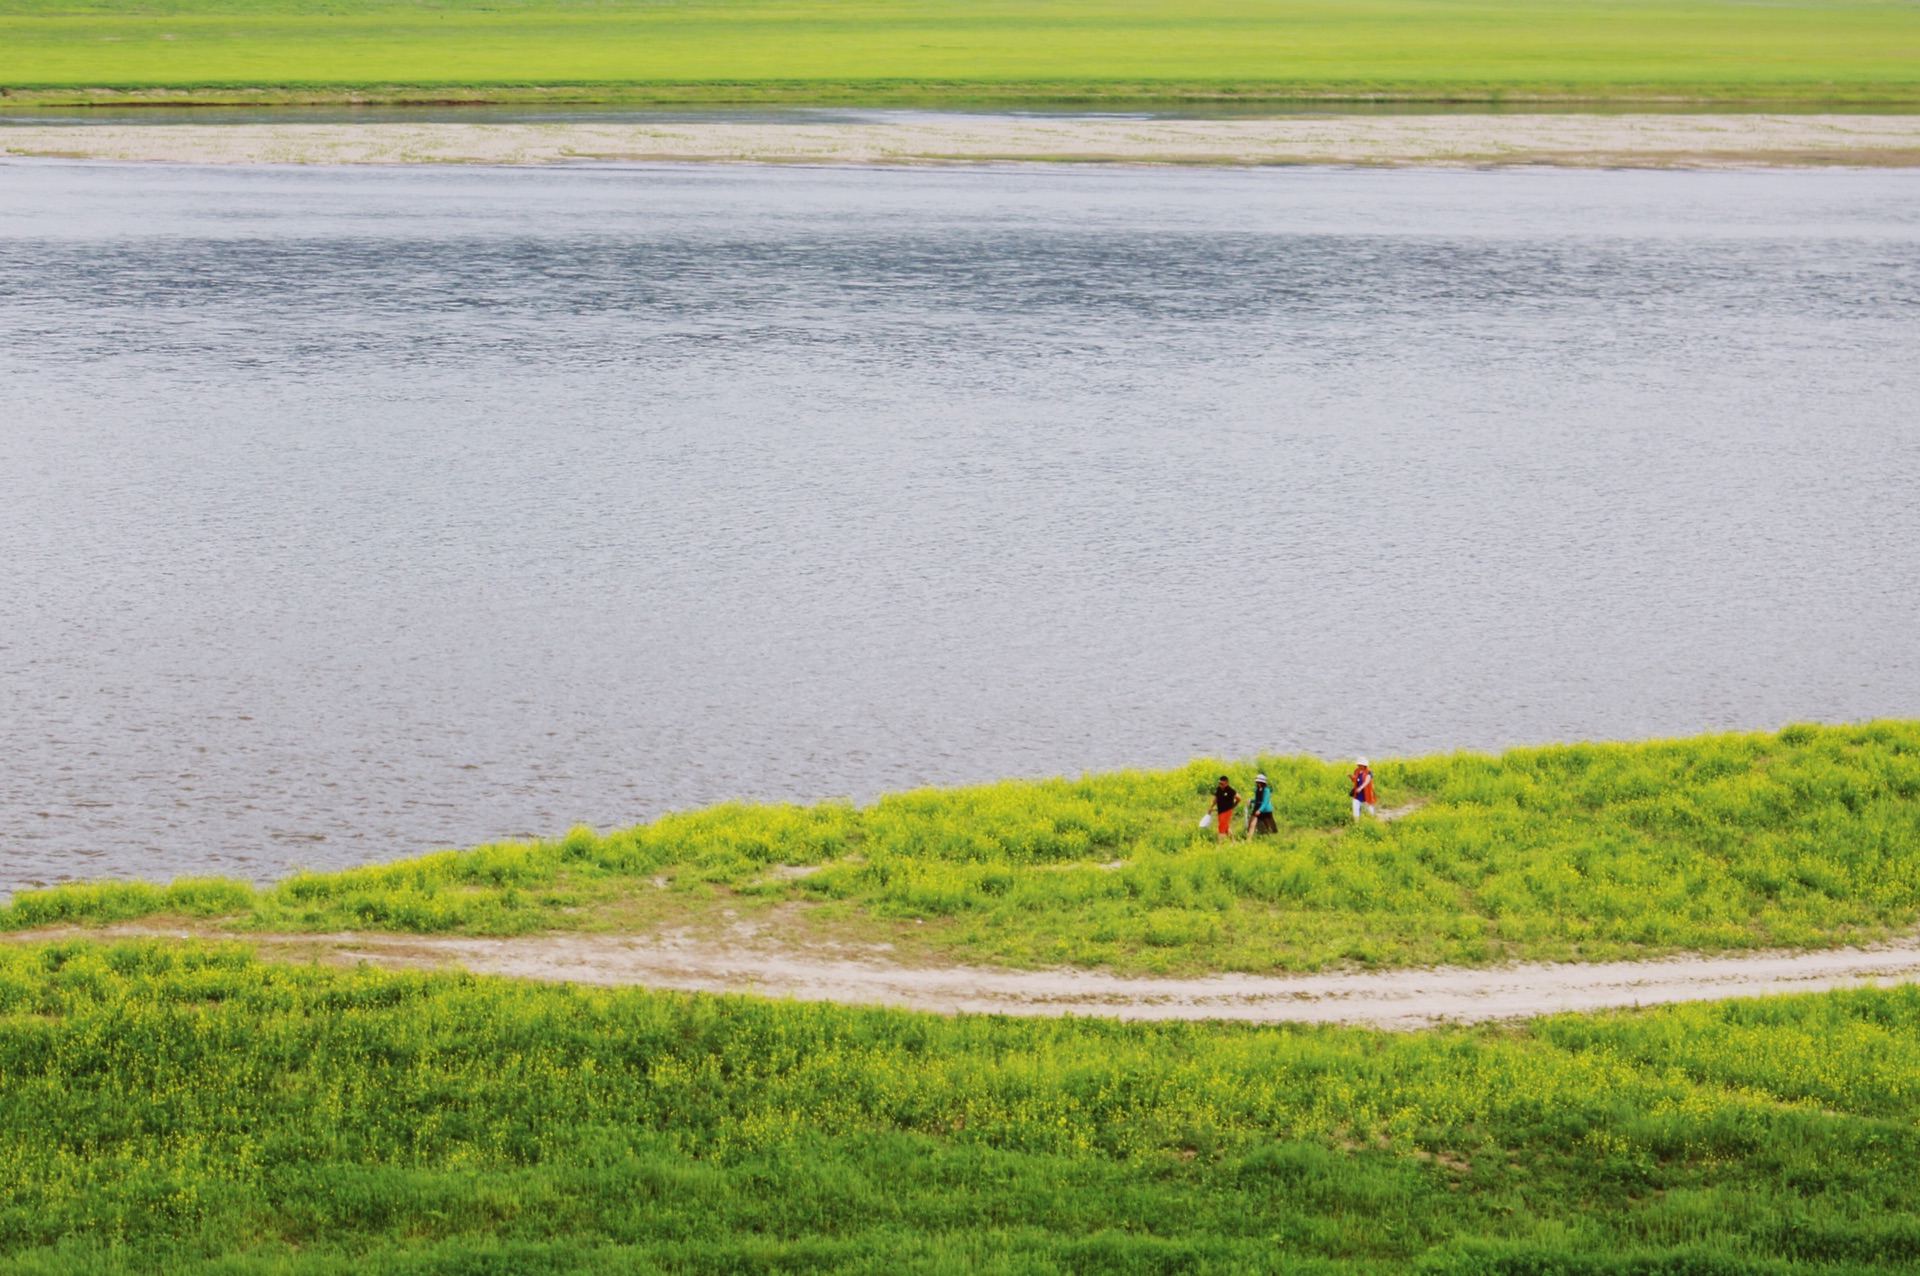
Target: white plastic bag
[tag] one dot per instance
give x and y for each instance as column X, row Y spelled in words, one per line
column 1206, row 818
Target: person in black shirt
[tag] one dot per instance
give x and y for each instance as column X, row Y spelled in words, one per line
column 1224, row 800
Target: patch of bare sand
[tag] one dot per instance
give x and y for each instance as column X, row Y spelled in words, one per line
column 1401, row 812
column 1637, row 140
column 1399, row 999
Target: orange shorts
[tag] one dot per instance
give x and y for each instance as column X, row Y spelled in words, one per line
column 1226, row 821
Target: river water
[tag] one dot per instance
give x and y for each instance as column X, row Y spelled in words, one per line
column 346, row 513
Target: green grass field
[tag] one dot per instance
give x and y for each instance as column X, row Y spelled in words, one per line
column 190, row 1109
column 1806, row 837
column 185, row 1106
column 1860, row 51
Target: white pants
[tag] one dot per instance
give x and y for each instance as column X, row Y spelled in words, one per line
column 1357, row 804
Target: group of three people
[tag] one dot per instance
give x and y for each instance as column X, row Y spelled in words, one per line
column 1260, row 809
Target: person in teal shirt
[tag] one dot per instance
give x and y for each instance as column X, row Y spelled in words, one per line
column 1260, row 808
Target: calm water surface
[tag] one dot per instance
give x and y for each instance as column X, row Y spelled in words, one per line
column 346, row 512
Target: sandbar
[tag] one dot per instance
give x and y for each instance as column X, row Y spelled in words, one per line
column 1646, row 140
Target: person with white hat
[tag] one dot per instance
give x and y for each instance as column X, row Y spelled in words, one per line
column 1361, row 788
column 1260, row 808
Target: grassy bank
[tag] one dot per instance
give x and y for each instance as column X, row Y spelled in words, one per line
column 190, row 1109
column 919, row 51
column 1804, row 837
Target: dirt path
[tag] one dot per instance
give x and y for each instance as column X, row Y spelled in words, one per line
column 1385, row 999
column 1597, row 140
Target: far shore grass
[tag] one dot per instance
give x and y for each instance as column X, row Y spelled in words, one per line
column 1803, row 838
column 935, row 52
column 1201, row 97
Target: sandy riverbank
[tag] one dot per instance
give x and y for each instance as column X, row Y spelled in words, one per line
column 1576, row 140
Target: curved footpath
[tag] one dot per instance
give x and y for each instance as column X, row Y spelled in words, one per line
column 1381, row 999
column 1596, row 139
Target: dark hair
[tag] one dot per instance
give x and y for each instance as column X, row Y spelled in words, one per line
column 1224, row 778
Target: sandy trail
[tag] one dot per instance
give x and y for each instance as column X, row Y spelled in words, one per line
column 1634, row 140
column 1383, row 999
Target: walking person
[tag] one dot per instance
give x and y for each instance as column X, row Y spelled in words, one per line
column 1361, row 789
column 1260, row 808
column 1224, row 800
